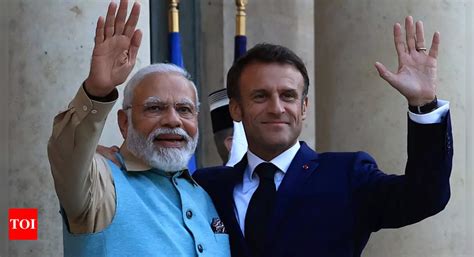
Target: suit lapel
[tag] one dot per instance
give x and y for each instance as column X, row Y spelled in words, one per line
column 226, row 207
column 301, row 168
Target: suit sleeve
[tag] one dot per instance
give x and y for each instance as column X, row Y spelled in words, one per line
column 391, row 201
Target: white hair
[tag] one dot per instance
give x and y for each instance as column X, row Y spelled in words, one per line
column 160, row 68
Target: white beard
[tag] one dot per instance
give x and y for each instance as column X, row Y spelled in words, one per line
column 162, row 158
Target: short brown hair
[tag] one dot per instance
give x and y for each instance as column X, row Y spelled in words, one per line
column 264, row 53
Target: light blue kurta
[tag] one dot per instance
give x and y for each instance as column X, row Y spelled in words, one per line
column 157, row 214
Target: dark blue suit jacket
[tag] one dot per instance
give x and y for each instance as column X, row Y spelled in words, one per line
column 328, row 204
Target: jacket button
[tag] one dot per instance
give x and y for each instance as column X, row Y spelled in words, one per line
column 200, row 249
column 189, row 214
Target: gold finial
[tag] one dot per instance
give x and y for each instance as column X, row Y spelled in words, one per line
column 240, row 17
column 173, row 16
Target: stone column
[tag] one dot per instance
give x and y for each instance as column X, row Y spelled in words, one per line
column 45, row 57
column 357, row 110
column 4, row 151
column 289, row 23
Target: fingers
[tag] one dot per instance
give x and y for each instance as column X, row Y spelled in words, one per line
column 410, row 33
column 121, row 16
column 132, row 20
column 99, row 31
column 109, row 153
column 415, row 38
column 110, row 20
column 420, row 35
column 134, row 46
column 115, row 24
column 434, row 45
column 385, row 73
column 398, row 38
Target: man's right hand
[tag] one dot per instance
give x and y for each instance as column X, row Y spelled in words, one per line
column 109, row 153
column 115, row 51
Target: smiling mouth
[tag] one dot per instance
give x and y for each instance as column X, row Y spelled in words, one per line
column 274, row 122
column 170, row 138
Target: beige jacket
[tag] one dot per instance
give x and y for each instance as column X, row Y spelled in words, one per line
column 82, row 178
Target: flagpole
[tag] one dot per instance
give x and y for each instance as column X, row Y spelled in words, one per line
column 240, row 17
column 174, row 38
column 240, row 46
column 173, row 16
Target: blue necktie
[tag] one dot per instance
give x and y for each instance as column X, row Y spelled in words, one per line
column 260, row 209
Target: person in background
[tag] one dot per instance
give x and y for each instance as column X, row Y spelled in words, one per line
column 222, row 124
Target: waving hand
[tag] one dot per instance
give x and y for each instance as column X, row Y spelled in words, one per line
column 115, row 51
column 416, row 77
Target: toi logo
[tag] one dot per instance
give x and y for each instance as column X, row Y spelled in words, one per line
column 23, row 224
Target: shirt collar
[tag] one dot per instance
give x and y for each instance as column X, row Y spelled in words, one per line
column 135, row 164
column 282, row 161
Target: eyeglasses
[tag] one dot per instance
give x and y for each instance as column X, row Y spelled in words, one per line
column 157, row 108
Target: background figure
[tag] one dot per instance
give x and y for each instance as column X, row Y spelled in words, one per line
column 234, row 150
column 229, row 136
column 222, row 124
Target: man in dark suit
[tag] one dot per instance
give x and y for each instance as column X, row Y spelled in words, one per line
column 284, row 199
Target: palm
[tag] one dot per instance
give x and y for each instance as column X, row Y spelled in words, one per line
column 110, row 61
column 115, row 50
column 416, row 77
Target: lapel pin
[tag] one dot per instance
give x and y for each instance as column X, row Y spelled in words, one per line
column 305, row 166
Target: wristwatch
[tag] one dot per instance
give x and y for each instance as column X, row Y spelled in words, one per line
column 424, row 109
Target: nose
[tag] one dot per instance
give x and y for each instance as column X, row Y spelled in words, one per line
column 171, row 119
column 276, row 106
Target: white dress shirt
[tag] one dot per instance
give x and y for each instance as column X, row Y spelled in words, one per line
column 243, row 191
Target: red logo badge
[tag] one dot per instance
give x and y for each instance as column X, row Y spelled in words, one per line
column 23, row 224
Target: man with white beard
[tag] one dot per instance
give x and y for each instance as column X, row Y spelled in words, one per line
column 163, row 158
column 150, row 205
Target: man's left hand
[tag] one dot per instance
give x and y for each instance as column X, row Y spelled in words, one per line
column 416, row 77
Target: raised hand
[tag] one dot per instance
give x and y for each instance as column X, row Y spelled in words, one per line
column 115, row 51
column 416, row 77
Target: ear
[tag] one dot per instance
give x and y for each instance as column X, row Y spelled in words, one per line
column 228, row 143
column 123, row 121
column 235, row 111
column 304, row 107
